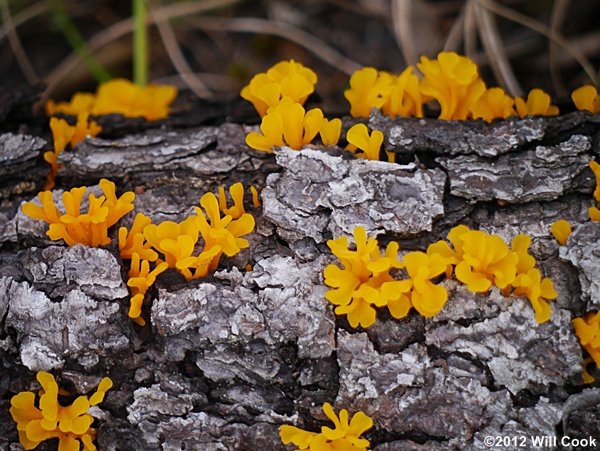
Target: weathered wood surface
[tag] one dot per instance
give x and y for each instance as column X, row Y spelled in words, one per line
column 225, row 360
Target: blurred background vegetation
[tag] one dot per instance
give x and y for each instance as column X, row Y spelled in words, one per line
column 213, row 47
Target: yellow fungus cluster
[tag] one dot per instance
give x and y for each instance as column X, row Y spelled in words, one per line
column 401, row 94
column 236, row 191
column 48, row 419
column 395, row 95
column 485, row 260
column 345, row 435
column 64, row 134
column 479, row 260
column 75, row 227
column 451, row 80
column 166, row 245
column 418, row 290
column 586, row 98
column 493, row 103
column 538, row 103
column 119, row 96
column 366, row 145
column 561, row 230
column 286, row 80
column 287, row 124
column 358, row 284
column 366, row 91
column 278, row 96
column 133, row 246
column 174, row 244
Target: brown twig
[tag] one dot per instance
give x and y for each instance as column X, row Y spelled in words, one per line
column 494, row 48
column 283, row 30
column 23, row 16
column 454, row 38
column 469, row 30
column 176, row 55
column 535, row 25
column 588, row 44
column 15, row 44
column 401, row 19
column 559, row 9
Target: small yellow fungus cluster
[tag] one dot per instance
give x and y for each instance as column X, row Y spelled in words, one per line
column 418, row 290
column 451, row 80
column 586, row 98
column 287, row 124
column 119, row 96
column 561, row 230
column 345, row 435
column 395, row 95
column 366, row 145
column 538, row 104
column 285, row 80
column 358, row 284
column 173, row 244
column 366, row 91
column 401, row 94
column 479, row 260
column 330, row 131
column 133, row 246
column 485, row 259
column 63, row 134
column 75, row 227
column 236, row 191
column 49, row 419
column 594, row 212
column 493, row 103
column 222, row 235
column 278, row 96
column 587, row 329
column 359, row 139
